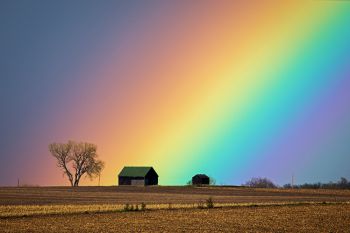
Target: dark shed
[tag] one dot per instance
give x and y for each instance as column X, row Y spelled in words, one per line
column 138, row 176
column 200, row 179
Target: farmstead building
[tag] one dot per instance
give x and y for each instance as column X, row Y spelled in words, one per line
column 138, row 176
column 200, row 179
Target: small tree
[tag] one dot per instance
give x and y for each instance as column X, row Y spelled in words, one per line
column 76, row 160
column 189, row 182
column 287, row 186
column 343, row 183
column 212, row 181
column 258, row 182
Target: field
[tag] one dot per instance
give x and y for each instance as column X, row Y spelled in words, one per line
column 172, row 209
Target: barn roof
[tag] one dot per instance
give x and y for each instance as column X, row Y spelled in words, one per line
column 201, row 176
column 135, row 171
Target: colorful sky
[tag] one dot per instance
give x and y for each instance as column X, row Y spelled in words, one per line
column 233, row 89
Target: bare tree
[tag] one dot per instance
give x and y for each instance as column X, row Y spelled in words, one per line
column 343, row 183
column 62, row 153
column 258, row 182
column 76, row 160
column 212, row 181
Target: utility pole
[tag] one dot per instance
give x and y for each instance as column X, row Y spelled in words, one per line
column 292, row 181
column 17, row 182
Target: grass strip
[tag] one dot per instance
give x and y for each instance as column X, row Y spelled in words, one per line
column 19, row 211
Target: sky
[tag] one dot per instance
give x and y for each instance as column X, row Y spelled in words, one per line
column 232, row 89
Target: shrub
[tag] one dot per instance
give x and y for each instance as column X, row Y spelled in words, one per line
column 127, row 207
column 210, row 203
column 143, row 206
column 212, row 181
column 200, row 205
column 189, row 183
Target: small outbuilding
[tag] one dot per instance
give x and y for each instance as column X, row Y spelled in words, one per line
column 138, row 176
column 200, row 179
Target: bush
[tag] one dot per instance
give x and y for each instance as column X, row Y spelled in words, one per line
column 212, row 181
column 143, row 206
column 200, row 205
column 210, row 203
column 126, row 207
column 189, row 183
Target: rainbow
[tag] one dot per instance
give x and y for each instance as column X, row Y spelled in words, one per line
column 226, row 88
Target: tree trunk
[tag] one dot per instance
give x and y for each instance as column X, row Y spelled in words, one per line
column 76, row 183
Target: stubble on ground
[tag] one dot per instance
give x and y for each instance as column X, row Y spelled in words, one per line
column 303, row 218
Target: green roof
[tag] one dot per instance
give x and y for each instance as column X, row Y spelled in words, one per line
column 135, row 171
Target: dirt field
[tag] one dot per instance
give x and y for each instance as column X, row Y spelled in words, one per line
column 159, row 195
column 302, row 218
column 100, row 209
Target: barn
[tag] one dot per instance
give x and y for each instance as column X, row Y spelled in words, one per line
column 200, row 179
column 138, row 176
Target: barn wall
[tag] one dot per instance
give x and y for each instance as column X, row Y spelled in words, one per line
column 137, row 181
column 205, row 180
column 151, row 180
column 123, row 180
column 198, row 180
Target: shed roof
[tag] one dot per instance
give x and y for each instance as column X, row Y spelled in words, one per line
column 201, row 176
column 135, row 171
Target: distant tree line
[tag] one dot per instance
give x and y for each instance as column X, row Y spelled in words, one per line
column 343, row 183
column 258, row 182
